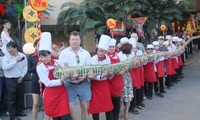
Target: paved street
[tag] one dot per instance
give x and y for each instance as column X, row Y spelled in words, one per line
column 182, row 102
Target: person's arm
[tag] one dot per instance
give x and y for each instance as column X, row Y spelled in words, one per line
column 25, row 67
column 43, row 75
column 8, row 63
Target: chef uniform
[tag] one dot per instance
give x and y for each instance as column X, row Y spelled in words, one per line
column 101, row 96
column 56, row 103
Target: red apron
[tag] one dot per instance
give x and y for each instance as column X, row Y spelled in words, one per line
column 116, row 84
column 55, row 99
column 169, row 68
column 175, row 63
column 135, row 76
column 141, row 71
column 149, row 73
column 101, row 97
column 160, row 69
column 180, row 62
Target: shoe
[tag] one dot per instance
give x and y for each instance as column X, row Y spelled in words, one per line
column 139, row 107
column 150, row 97
column 175, row 82
column 134, row 111
column 163, row 92
column 160, row 95
column 142, row 104
column 14, row 118
column 21, row 114
column 5, row 114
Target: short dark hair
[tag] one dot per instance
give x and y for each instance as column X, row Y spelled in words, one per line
column 44, row 53
column 75, row 33
column 12, row 44
column 4, row 21
column 126, row 48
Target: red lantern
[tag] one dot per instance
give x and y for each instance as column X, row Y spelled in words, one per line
column 39, row 5
column 163, row 27
column 111, row 23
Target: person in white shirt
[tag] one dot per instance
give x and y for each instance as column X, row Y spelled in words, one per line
column 5, row 35
column 14, row 65
column 75, row 55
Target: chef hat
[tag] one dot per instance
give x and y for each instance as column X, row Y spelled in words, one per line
column 168, row 37
column 166, row 43
column 161, row 38
column 104, row 42
column 45, row 42
column 150, row 46
column 133, row 42
column 113, row 42
column 155, row 43
column 124, row 40
column 180, row 40
column 175, row 38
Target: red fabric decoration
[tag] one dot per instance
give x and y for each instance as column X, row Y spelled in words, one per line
column 2, row 10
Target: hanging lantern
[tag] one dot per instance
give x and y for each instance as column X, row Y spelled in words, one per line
column 30, row 14
column 31, row 35
column 111, row 23
column 28, row 48
column 39, row 5
column 163, row 27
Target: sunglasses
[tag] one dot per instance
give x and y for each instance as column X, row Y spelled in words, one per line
column 77, row 59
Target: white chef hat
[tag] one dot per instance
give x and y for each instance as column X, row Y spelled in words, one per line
column 150, row 46
column 166, row 43
column 104, row 42
column 45, row 41
column 161, row 38
column 175, row 38
column 180, row 40
column 133, row 42
column 168, row 37
column 124, row 40
column 113, row 42
column 155, row 43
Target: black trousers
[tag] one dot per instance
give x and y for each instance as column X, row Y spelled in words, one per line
column 139, row 96
column 109, row 116
column 149, row 89
column 161, row 86
column 168, row 81
column 133, row 101
column 64, row 117
column 116, row 110
column 3, row 93
column 15, row 94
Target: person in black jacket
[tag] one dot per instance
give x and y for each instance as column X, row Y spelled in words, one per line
column 33, row 61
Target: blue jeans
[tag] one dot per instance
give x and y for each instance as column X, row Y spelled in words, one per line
column 3, row 103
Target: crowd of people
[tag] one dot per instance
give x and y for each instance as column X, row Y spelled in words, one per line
column 113, row 94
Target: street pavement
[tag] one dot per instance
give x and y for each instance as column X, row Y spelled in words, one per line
column 181, row 102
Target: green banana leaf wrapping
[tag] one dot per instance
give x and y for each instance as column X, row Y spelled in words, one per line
column 116, row 68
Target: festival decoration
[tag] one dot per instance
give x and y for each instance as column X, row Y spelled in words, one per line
column 39, row 5
column 163, row 28
column 120, row 28
column 28, row 48
column 30, row 14
column 111, row 23
column 31, row 35
column 192, row 24
column 116, row 68
column 140, row 21
column 2, row 9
